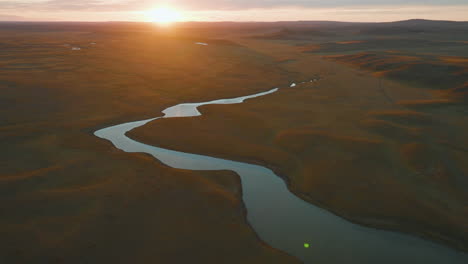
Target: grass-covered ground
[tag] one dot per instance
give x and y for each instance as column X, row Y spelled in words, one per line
column 67, row 196
column 396, row 147
column 383, row 145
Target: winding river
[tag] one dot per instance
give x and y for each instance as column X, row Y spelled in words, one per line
column 285, row 221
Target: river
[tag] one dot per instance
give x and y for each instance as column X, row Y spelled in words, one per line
column 285, row 221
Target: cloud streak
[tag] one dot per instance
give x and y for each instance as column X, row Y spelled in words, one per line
column 136, row 5
column 4, row 17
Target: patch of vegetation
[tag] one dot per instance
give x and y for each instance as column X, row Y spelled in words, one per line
column 349, row 135
column 425, row 71
column 67, row 196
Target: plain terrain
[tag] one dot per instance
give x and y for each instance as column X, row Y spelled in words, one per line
column 67, row 196
column 371, row 128
column 379, row 140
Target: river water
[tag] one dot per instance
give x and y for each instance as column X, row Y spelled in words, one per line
column 285, row 221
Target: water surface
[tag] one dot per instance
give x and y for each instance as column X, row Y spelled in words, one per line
column 283, row 220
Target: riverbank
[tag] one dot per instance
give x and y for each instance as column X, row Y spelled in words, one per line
column 70, row 197
column 374, row 153
column 281, row 219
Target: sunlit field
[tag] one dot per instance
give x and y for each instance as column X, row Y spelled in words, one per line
column 384, row 123
column 374, row 131
column 69, row 195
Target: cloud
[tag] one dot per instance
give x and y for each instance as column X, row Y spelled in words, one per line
column 4, row 17
column 250, row 4
column 136, row 5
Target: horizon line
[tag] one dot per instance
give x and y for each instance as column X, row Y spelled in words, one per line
column 226, row 21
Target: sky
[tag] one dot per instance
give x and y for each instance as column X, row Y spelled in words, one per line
column 234, row 10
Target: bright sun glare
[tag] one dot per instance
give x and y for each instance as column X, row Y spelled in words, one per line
column 164, row 15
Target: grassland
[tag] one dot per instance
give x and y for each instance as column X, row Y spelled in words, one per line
column 397, row 147
column 67, row 196
column 381, row 143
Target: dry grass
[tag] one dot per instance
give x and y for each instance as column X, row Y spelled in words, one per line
column 455, row 60
column 343, row 137
column 414, row 70
column 69, row 197
column 72, row 198
column 403, row 116
column 350, row 42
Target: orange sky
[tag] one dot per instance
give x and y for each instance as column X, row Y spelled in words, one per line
column 133, row 10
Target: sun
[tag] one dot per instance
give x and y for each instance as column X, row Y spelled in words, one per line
column 164, row 15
